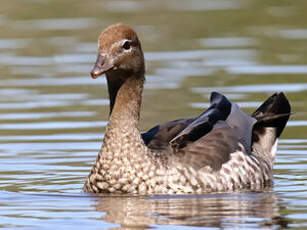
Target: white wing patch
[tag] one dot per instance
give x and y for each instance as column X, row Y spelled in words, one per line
column 274, row 149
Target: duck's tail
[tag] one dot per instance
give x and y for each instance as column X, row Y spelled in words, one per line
column 272, row 117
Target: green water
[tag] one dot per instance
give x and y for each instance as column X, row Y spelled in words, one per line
column 53, row 115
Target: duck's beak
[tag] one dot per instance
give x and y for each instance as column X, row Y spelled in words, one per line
column 101, row 66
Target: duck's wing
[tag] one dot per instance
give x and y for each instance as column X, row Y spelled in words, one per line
column 220, row 110
column 180, row 131
column 159, row 136
column 238, row 132
column 211, row 150
column 272, row 117
column 209, row 140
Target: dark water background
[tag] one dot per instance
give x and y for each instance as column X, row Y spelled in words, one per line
column 53, row 115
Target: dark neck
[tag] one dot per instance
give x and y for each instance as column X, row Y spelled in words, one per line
column 125, row 102
column 113, row 88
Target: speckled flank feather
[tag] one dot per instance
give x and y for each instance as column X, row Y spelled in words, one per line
column 222, row 149
column 145, row 174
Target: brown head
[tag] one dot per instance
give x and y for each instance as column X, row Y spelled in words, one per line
column 119, row 50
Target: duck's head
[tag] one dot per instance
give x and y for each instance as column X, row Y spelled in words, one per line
column 119, row 50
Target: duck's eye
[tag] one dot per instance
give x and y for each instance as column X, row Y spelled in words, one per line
column 127, row 45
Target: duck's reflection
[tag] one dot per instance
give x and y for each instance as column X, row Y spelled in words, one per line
column 240, row 210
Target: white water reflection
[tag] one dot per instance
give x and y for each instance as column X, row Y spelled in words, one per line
column 297, row 123
column 295, row 34
column 31, row 148
column 11, row 92
column 158, row 82
column 177, row 72
column 76, row 58
column 293, row 141
column 176, row 5
column 36, row 116
column 228, row 42
column 84, row 80
column 291, row 87
column 203, row 5
column 44, row 97
column 13, row 43
column 53, row 125
column 229, row 61
column 24, row 60
column 75, row 69
column 52, row 137
column 31, row 214
column 199, row 54
column 55, row 24
column 32, row 105
column 62, row 41
column 53, row 114
column 281, row 69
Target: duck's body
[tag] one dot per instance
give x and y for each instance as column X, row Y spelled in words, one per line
column 222, row 149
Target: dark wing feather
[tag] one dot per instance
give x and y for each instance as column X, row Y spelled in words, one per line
column 208, row 139
column 272, row 117
column 211, row 150
column 274, row 112
column 219, row 110
column 149, row 135
column 159, row 136
column 179, row 132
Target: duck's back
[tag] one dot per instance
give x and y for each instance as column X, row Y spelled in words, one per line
column 222, row 129
column 222, row 148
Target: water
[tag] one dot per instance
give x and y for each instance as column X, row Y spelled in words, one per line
column 53, row 115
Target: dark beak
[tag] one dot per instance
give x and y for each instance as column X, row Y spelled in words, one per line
column 101, row 66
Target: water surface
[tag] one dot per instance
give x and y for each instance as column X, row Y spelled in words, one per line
column 53, row 115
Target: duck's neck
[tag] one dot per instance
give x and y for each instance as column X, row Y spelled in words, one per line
column 113, row 88
column 125, row 103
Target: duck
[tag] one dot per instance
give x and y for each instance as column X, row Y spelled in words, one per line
column 223, row 149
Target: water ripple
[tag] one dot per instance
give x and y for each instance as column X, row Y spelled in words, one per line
column 198, row 54
column 178, row 5
column 53, row 81
column 290, row 87
column 37, row 116
column 53, row 125
column 281, row 69
column 55, row 24
column 228, row 42
column 13, row 43
column 50, row 125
